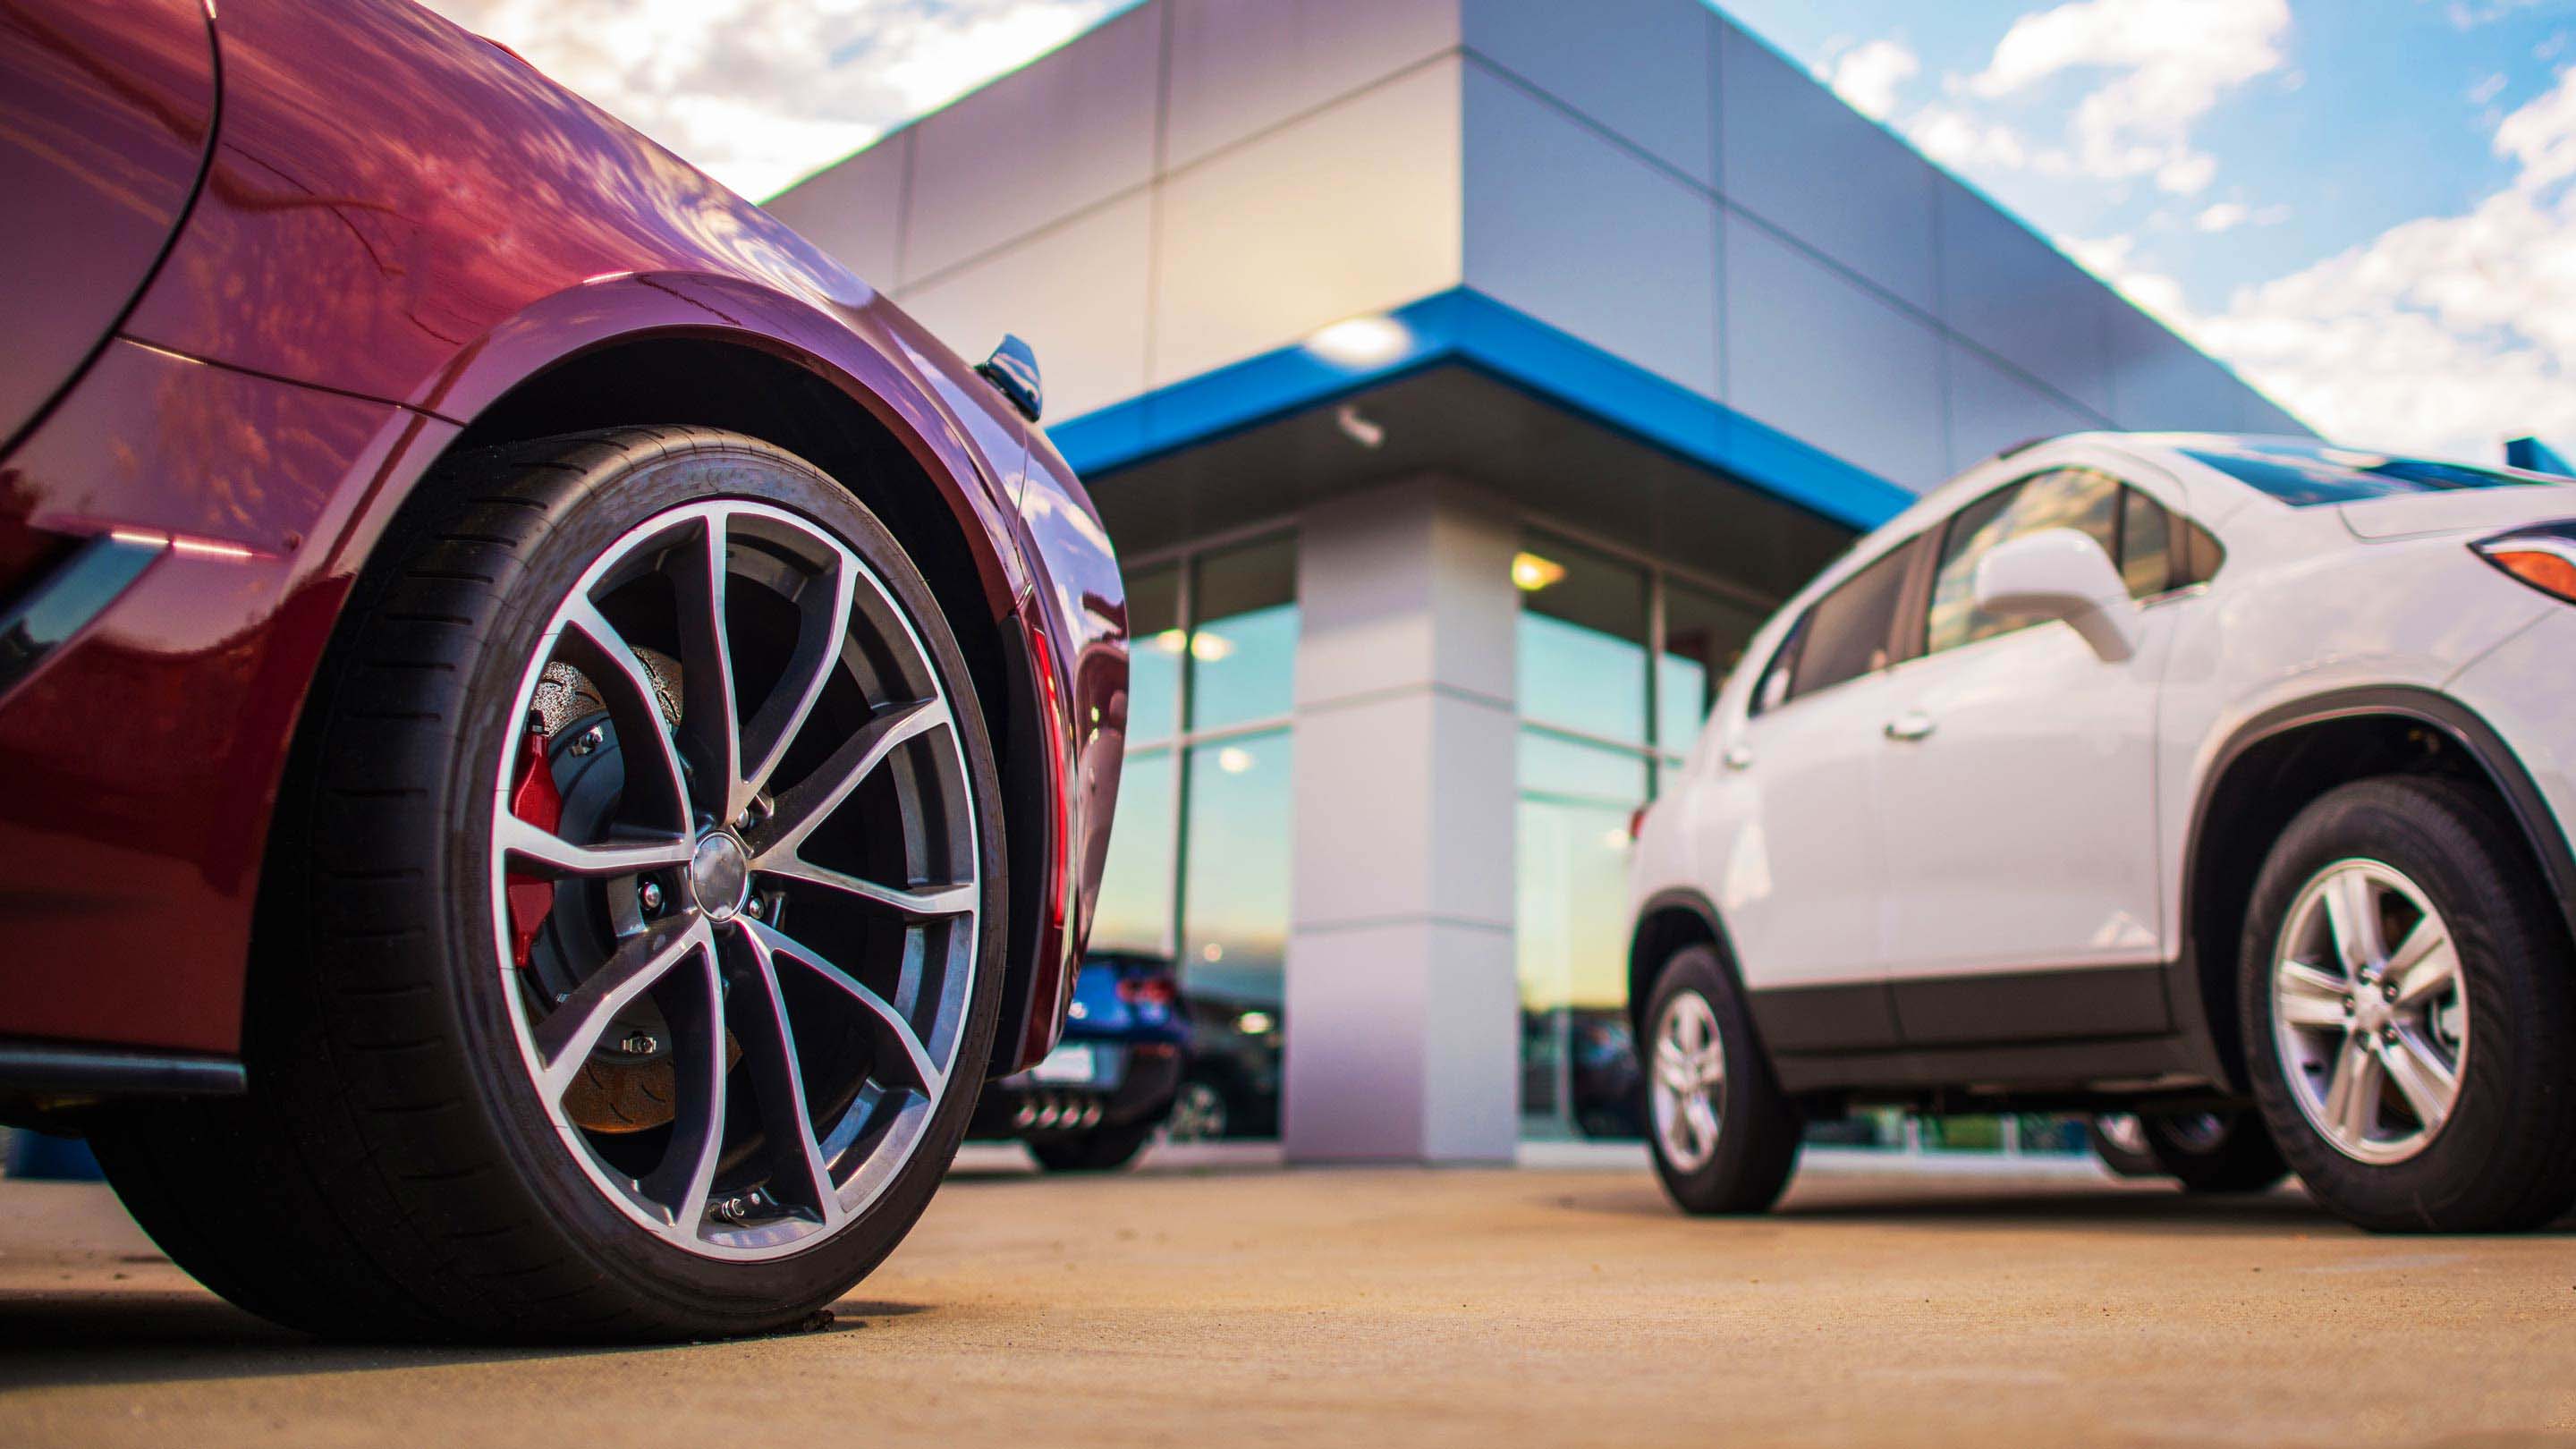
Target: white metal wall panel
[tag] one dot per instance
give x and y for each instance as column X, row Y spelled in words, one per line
column 1240, row 67
column 1090, row 335
column 1822, row 358
column 1070, row 130
column 1798, row 157
column 1587, row 236
column 1353, row 209
column 1643, row 69
column 2003, row 287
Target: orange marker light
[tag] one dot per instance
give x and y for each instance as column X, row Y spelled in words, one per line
column 2543, row 569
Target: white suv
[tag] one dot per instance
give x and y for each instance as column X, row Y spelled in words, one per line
column 2179, row 775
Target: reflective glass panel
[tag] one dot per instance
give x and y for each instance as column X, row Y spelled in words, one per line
column 1846, row 633
column 2146, row 545
column 1234, row 895
column 1154, row 656
column 1582, row 640
column 1578, row 1063
column 1704, row 639
column 1243, row 651
column 1135, row 911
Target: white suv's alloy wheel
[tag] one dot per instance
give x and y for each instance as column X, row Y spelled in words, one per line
column 1688, row 1091
column 721, row 823
column 2368, row 1011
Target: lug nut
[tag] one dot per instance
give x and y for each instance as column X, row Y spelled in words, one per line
column 752, row 908
column 2388, row 1035
column 2347, row 1006
column 649, row 895
column 733, row 1209
column 2389, row 992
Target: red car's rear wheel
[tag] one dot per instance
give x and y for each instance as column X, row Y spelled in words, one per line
column 630, row 957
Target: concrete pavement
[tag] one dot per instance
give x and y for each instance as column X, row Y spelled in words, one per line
column 1235, row 1303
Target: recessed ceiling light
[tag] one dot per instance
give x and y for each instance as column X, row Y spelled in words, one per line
column 1533, row 573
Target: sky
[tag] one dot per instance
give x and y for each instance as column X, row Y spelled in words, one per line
column 2365, row 207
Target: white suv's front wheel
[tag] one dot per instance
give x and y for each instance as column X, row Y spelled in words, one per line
column 2409, row 1016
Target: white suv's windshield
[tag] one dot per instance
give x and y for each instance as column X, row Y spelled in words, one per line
column 2306, row 474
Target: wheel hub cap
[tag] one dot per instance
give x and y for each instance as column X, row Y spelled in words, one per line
column 2369, row 1013
column 1688, row 1092
column 720, row 876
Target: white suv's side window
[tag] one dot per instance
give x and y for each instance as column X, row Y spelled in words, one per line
column 2156, row 551
column 1844, row 635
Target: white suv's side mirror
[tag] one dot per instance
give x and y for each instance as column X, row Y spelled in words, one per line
column 2058, row 573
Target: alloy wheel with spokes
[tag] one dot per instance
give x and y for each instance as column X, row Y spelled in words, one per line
column 1687, row 1092
column 734, row 879
column 2368, row 1011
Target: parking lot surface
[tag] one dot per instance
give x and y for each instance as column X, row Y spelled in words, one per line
column 1221, row 1300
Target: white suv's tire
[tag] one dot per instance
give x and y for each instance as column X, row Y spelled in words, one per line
column 2409, row 1013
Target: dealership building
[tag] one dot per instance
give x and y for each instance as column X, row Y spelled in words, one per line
column 1463, row 381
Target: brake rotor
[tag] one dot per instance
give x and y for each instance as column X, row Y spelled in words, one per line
column 630, row 1083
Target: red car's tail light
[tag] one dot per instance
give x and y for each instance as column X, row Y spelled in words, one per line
column 1140, row 990
column 2544, row 558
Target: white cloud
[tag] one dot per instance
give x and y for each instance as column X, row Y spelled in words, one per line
column 2170, row 63
column 2188, row 174
column 2114, row 259
column 2469, row 14
column 2229, row 215
column 757, row 92
column 1964, row 143
column 2444, row 334
column 1869, row 76
column 2487, row 90
column 2225, row 216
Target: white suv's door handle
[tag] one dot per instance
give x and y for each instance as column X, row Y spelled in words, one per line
column 1737, row 757
column 1914, row 724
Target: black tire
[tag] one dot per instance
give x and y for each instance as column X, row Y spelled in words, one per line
column 1758, row 1129
column 2123, row 1157
column 2208, row 1152
column 2505, row 1157
column 1102, row 1149
column 392, row 1173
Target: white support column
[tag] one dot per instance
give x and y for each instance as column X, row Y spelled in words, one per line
column 1403, row 1006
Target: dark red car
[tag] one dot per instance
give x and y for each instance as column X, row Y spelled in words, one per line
column 550, row 738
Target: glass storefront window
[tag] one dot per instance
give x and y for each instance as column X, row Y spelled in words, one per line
column 1578, row 1065
column 1243, row 649
column 1135, row 911
column 1704, row 638
column 1582, row 640
column 1198, row 862
column 1154, row 659
column 1234, row 891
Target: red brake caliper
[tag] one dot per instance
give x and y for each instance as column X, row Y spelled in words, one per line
column 534, row 799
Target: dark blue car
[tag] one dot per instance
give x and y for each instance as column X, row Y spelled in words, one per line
column 1091, row 1105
